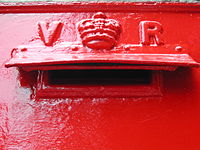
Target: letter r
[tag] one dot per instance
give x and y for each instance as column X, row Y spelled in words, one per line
column 151, row 32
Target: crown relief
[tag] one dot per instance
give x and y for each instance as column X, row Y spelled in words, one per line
column 99, row 32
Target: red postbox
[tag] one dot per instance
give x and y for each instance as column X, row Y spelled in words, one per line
column 100, row 76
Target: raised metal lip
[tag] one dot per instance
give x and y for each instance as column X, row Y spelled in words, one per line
column 85, row 6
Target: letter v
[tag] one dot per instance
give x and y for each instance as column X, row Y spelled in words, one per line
column 49, row 32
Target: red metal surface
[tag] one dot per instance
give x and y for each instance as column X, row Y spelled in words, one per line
column 99, row 32
column 42, row 61
column 160, row 122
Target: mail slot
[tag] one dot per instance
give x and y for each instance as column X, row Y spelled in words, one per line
column 100, row 76
column 98, row 83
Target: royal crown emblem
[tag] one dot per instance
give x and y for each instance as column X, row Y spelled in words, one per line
column 99, row 32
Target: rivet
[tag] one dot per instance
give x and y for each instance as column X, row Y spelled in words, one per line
column 127, row 47
column 178, row 48
column 74, row 48
column 23, row 49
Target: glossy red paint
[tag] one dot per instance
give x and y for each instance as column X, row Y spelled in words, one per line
column 49, row 32
column 99, row 32
column 151, row 32
column 169, row 120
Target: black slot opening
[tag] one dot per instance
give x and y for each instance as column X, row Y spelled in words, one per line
column 99, row 77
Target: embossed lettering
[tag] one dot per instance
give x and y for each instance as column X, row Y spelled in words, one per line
column 151, row 33
column 49, row 32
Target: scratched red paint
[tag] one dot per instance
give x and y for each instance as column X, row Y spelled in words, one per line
column 163, row 122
